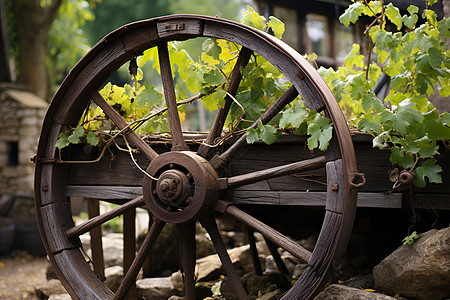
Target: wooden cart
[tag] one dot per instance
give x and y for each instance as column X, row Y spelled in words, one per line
column 189, row 181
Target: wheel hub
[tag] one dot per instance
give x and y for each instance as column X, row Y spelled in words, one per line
column 173, row 188
column 184, row 188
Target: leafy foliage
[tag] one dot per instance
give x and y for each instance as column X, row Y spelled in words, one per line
column 416, row 61
column 410, row 239
column 142, row 105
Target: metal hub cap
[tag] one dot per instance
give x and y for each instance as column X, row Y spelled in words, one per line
column 185, row 189
column 173, row 188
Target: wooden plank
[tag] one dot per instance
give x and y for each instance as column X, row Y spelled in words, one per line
column 56, row 235
column 129, row 246
column 288, row 198
column 104, row 192
column 335, row 186
column 93, row 207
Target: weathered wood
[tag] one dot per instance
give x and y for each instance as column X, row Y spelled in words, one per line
column 335, row 186
column 104, row 192
column 211, row 227
column 129, row 246
column 301, row 166
column 78, row 278
column 323, row 250
column 232, row 87
column 75, row 231
column 93, row 207
column 169, row 94
column 272, row 234
column 378, row 200
column 130, row 277
column 175, row 29
column 54, row 232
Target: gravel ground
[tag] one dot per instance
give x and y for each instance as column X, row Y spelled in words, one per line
column 20, row 273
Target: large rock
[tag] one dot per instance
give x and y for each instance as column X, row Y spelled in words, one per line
column 420, row 271
column 155, row 288
column 342, row 292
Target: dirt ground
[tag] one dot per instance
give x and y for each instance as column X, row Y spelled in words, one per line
column 20, row 273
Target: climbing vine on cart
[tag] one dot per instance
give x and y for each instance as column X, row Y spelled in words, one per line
column 409, row 49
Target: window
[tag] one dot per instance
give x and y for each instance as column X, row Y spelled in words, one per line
column 318, row 33
column 289, row 18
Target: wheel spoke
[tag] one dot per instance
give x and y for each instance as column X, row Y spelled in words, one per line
column 132, row 273
column 178, row 143
column 301, row 166
column 236, row 76
column 211, row 227
column 188, row 258
column 276, row 256
column 267, row 231
column 241, row 143
column 98, row 220
column 120, row 122
column 254, row 251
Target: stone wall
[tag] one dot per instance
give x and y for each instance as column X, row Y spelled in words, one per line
column 19, row 134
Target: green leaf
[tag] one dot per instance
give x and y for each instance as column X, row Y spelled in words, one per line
column 92, row 138
column 252, row 135
column 356, row 85
column 251, row 18
column 148, row 96
column 400, row 157
column 429, row 169
column 63, row 141
column 277, row 26
column 214, row 77
column 293, row 117
column 428, row 148
column 381, row 140
column 212, row 48
column 214, row 100
column 320, row 133
column 393, row 14
column 76, row 135
column 354, row 58
column 269, row 134
column 352, row 13
column 384, row 40
column 410, row 21
column 409, row 240
column 369, row 126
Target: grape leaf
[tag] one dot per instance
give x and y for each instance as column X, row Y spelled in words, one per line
column 293, row 117
column 429, row 169
column 92, row 139
column 148, row 96
column 352, row 13
column 76, row 135
column 63, row 141
column 354, row 58
column 320, row 133
column 410, row 21
column 252, row 135
column 393, row 14
column 277, row 26
column 269, row 134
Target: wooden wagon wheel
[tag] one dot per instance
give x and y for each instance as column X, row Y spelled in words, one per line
column 180, row 169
